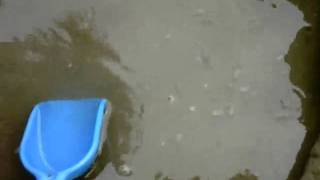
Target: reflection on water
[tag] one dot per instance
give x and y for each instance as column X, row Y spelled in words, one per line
column 61, row 62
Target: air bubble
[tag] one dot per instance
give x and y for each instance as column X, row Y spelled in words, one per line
column 70, row 65
column 217, row 112
column 125, row 170
column 192, row 108
column 179, row 137
column 244, row 89
column 168, row 36
column 236, row 73
column 280, row 57
column 231, row 111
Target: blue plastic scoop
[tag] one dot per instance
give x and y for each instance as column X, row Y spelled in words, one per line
column 63, row 137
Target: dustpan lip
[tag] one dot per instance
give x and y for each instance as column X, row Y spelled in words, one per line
column 22, row 152
column 80, row 167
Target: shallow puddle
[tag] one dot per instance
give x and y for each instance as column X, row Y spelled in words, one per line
column 203, row 89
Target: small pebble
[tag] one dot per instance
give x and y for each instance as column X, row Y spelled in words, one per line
column 274, row 5
column 205, row 85
column 171, row 99
column 192, row 108
column 163, row 143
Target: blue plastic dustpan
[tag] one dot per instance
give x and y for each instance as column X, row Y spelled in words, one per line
column 63, row 137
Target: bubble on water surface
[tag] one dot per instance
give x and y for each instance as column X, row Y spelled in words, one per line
column 179, row 137
column 230, row 110
column 70, row 65
column 163, row 143
column 125, row 170
column 244, row 89
column 217, row 112
column 192, row 108
column 168, row 36
column 280, row 57
column 236, row 73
